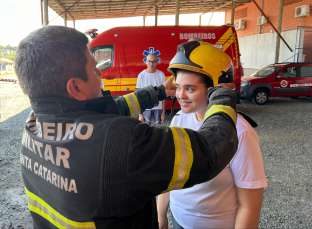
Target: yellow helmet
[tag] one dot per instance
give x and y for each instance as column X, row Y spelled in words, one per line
column 204, row 58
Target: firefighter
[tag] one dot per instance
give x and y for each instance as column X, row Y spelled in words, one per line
column 84, row 164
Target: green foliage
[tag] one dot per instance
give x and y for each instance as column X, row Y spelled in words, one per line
column 7, row 52
column 8, row 47
column 11, row 57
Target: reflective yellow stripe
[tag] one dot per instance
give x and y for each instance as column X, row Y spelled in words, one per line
column 133, row 104
column 183, row 159
column 40, row 207
column 125, row 84
column 110, row 82
column 226, row 40
column 221, row 108
column 125, row 81
column 189, row 156
column 136, row 103
column 236, row 50
column 129, row 105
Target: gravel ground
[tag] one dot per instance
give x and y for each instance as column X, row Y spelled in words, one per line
column 285, row 134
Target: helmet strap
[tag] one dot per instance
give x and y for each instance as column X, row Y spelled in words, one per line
column 172, row 107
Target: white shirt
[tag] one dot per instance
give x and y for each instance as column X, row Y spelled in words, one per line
column 156, row 79
column 214, row 204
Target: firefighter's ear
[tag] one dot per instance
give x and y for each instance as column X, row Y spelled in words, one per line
column 76, row 89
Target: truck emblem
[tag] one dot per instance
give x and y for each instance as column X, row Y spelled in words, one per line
column 284, row 83
column 151, row 50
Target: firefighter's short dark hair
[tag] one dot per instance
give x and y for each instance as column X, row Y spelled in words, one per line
column 48, row 57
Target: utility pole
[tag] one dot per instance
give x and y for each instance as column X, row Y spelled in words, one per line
column 177, row 12
column 65, row 19
column 233, row 12
column 156, row 14
column 279, row 28
column 261, row 6
column 45, row 12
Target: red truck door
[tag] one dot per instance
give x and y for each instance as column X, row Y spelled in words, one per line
column 289, row 83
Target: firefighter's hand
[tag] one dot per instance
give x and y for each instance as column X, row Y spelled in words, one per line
column 141, row 117
column 170, row 87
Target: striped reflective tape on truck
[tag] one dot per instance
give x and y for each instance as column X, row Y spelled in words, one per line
column 221, row 108
column 39, row 206
column 226, row 40
column 183, row 159
column 133, row 104
column 125, row 84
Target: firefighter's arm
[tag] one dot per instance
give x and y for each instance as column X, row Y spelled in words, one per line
column 148, row 97
column 163, row 158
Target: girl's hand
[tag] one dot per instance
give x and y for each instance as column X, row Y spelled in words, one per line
column 141, row 117
column 163, row 222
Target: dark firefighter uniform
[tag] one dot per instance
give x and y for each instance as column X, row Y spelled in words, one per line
column 85, row 165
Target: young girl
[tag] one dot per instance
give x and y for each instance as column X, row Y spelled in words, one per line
column 233, row 199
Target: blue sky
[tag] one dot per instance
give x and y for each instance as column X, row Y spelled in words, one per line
column 20, row 17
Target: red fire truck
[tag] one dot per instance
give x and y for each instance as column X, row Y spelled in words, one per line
column 121, row 52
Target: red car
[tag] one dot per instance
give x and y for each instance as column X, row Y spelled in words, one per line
column 278, row 80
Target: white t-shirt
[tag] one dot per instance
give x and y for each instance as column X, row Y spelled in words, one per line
column 156, row 79
column 214, row 204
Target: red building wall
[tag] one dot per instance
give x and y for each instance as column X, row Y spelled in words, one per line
column 307, row 45
column 271, row 9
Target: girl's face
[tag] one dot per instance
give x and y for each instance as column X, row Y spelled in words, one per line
column 191, row 93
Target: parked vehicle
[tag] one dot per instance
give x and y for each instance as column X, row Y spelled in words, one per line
column 121, row 52
column 278, row 80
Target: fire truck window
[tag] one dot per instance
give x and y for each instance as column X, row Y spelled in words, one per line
column 288, row 72
column 293, row 72
column 104, row 56
column 265, row 72
column 306, row 71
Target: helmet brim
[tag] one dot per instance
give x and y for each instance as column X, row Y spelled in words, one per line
column 175, row 67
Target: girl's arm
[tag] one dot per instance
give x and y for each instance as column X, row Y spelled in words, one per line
column 249, row 207
column 163, row 114
column 162, row 208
